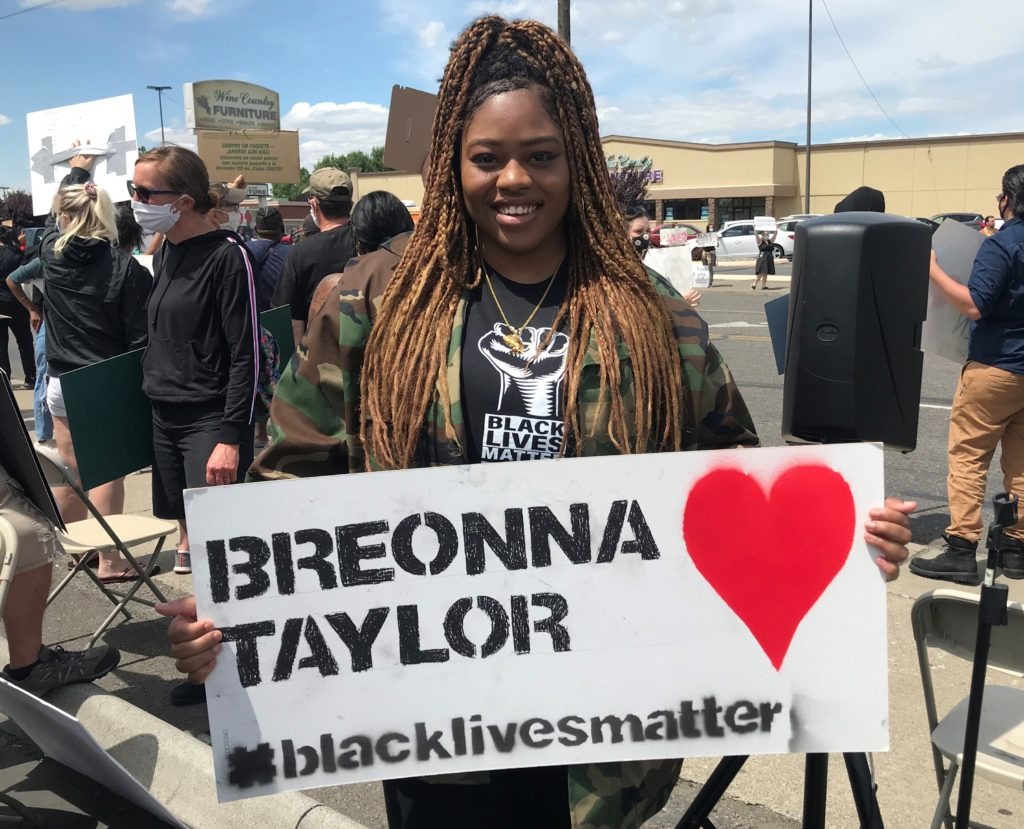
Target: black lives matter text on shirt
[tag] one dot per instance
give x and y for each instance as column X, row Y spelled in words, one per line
column 514, row 403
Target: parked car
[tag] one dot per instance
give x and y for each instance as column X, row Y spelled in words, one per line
column 975, row 220
column 737, row 240
column 691, row 232
column 799, row 217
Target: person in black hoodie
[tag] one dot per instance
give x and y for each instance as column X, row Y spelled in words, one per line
column 200, row 369
column 95, row 309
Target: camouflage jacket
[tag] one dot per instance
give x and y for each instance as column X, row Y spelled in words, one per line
column 315, row 416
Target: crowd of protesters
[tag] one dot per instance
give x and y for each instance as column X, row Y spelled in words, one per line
column 519, row 222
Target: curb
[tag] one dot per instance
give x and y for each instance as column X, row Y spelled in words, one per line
column 178, row 769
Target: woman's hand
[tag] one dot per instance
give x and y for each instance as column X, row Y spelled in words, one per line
column 35, row 318
column 222, row 467
column 888, row 531
column 194, row 644
column 693, row 297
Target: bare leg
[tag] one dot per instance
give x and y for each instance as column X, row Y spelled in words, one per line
column 182, row 535
column 23, row 615
column 108, row 498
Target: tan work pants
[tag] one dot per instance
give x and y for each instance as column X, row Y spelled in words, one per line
column 988, row 410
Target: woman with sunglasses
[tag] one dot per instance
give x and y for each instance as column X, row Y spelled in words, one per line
column 519, row 223
column 200, row 368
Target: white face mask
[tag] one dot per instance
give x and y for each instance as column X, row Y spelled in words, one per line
column 232, row 221
column 155, row 218
column 312, row 215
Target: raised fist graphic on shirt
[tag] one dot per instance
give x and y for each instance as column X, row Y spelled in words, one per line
column 536, row 374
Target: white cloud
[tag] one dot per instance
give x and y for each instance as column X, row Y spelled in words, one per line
column 81, row 5
column 196, row 8
column 173, row 135
column 431, row 34
column 328, row 127
column 4, row 120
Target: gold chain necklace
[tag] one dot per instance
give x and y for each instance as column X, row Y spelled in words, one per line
column 514, row 341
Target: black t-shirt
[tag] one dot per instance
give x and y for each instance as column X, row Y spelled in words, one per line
column 513, row 402
column 310, row 261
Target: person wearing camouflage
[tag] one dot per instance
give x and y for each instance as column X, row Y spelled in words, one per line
column 518, row 324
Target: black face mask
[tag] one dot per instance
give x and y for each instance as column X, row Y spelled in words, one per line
column 642, row 243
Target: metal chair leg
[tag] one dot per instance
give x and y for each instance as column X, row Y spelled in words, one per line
column 144, row 578
column 942, row 813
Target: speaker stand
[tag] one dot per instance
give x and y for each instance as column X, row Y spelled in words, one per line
column 815, row 791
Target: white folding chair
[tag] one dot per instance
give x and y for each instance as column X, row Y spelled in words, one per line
column 101, row 533
column 948, row 620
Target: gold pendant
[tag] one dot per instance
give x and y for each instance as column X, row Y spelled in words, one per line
column 514, row 342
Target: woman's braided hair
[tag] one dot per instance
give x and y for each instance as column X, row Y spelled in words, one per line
column 609, row 294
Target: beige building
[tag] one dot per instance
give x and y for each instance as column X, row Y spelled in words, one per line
column 718, row 182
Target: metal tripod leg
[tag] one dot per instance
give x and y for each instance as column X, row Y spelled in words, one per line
column 711, row 792
column 863, row 786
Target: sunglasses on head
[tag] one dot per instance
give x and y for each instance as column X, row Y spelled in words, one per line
column 144, row 194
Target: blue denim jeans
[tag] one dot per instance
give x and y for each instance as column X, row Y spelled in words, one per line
column 44, row 423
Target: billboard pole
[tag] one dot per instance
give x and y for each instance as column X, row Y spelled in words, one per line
column 807, row 149
column 563, row 19
column 160, row 97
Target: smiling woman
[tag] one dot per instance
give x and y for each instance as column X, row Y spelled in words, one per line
column 519, row 324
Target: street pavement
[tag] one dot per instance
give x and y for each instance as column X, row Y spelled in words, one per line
column 768, row 793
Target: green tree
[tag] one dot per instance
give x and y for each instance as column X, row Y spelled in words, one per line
column 372, row 162
column 292, row 192
column 16, row 207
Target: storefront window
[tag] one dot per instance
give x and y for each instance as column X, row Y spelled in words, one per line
column 729, row 210
column 683, row 209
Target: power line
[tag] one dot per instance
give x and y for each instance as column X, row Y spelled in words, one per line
column 857, row 70
column 28, row 9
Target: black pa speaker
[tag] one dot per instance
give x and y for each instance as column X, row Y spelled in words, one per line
column 858, row 300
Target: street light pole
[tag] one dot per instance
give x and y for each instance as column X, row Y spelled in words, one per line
column 160, row 97
column 563, row 19
column 807, row 149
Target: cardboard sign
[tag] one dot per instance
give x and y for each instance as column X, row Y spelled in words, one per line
column 673, row 264
column 946, row 332
column 700, row 275
column 410, row 126
column 272, row 157
column 765, row 224
column 64, row 739
column 431, row 621
column 110, row 419
column 104, row 129
column 231, row 105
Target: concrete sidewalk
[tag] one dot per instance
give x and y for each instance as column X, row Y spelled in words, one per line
column 767, row 794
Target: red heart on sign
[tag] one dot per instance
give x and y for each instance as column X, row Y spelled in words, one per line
column 770, row 557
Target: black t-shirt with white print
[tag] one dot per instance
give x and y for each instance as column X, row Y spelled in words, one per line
column 513, row 403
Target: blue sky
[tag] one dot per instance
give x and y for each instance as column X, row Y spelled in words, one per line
column 699, row 70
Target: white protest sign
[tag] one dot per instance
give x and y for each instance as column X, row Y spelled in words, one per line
column 764, row 224
column 431, row 621
column 946, row 331
column 671, row 236
column 104, row 129
column 701, row 275
column 64, row 739
column 673, row 264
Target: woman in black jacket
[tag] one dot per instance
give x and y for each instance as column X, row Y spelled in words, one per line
column 95, row 309
column 200, row 369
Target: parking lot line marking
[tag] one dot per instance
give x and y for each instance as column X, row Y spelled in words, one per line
column 935, row 406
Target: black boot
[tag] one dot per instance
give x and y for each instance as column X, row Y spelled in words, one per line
column 1011, row 557
column 956, row 563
